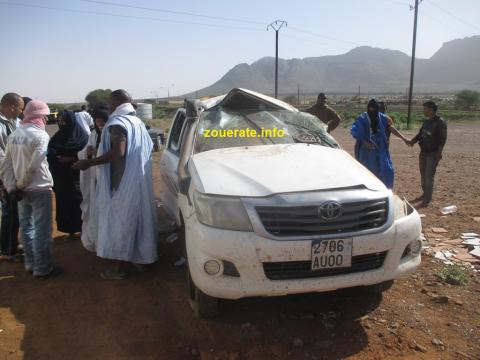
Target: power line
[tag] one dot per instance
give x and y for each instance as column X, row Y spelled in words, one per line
column 166, row 20
column 173, row 12
column 453, row 15
column 323, row 36
column 456, row 31
column 315, row 42
column 396, row 2
column 124, row 16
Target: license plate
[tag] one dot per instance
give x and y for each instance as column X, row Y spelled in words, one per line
column 330, row 254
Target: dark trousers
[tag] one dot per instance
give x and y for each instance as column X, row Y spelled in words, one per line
column 10, row 225
column 428, row 167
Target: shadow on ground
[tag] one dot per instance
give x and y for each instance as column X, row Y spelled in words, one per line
column 80, row 316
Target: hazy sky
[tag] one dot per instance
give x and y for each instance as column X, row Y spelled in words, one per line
column 60, row 55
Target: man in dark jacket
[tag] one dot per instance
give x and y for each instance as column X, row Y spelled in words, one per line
column 325, row 113
column 431, row 138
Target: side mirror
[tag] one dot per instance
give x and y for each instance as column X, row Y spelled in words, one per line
column 184, row 185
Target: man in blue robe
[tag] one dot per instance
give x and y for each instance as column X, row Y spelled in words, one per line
column 371, row 148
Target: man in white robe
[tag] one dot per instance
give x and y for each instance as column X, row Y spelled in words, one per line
column 88, row 182
column 124, row 193
column 85, row 119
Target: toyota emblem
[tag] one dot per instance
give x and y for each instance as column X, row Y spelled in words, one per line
column 329, row 210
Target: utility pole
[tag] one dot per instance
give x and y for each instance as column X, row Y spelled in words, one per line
column 412, row 66
column 276, row 25
column 298, row 95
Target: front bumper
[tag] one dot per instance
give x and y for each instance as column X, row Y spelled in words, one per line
column 248, row 251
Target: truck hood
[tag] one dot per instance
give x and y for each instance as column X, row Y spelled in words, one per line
column 256, row 171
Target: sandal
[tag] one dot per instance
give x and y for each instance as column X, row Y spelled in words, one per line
column 56, row 270
column 111, row 274
column 19, row 258
column 70, row 238
column 141, row 268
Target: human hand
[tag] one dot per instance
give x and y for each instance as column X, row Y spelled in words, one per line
column 16, row 195
column 91, row 151
column 367, row 144
column 81, row 165
column 66, row 159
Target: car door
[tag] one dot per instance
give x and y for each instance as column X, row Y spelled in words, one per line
column 169, row 165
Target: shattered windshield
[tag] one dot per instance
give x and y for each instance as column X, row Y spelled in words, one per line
column 224, row 128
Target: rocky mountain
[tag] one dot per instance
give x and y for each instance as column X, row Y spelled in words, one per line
column 455, row 66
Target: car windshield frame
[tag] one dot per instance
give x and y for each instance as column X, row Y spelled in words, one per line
column 224, row 128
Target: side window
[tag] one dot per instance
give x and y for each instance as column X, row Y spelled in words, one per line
column 176, row 131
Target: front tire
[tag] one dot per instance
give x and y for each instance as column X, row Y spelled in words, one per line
column 379, row 288
column 203, row 305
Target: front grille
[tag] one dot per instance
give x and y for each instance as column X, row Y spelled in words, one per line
column 289, row 270
column 304, row 220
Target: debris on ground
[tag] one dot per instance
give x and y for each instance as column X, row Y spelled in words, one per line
column 476, row 252
column 419, row 348
column 472, row 242
column 439, row 230
column 439, row 344
column 465, row 249
column 445, row 256
column 447, row 210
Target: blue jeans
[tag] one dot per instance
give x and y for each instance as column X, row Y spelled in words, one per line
column 35, row 213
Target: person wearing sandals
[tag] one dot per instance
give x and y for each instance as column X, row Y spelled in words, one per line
column 27, row 179
column 63, row 148
column 127, row 226
column 11, row 106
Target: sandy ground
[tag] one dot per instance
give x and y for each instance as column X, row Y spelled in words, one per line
column 81, row 316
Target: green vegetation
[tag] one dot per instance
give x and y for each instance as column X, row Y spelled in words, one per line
column 59, row 107
column 98, row 98
column 455, row 274
column 451, row 110
column 399, row 118
column 163, row 115
column 399, row 115
column 467, row 99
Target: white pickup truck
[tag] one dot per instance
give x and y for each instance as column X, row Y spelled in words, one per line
column 272, row 215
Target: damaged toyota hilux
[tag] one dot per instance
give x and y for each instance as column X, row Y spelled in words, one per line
column 282, row 211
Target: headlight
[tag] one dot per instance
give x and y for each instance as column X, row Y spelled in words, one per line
column 400, row 208
column 222, row 212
